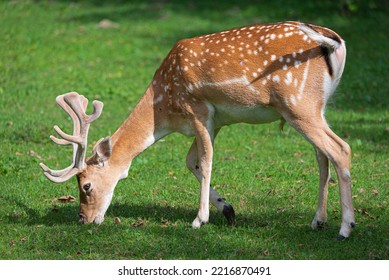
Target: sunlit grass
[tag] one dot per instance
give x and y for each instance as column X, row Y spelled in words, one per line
column 270, row 176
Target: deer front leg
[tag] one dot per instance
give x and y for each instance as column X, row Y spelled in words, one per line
column 204, row 141
column 216, row 200
column 321, row 213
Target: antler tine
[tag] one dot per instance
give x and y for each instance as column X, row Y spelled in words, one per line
column 55, row 173
column 75, row 105
column 71, row 139
column 57, row 177
column 76, row 123
column 97, row 109
column 60, row 141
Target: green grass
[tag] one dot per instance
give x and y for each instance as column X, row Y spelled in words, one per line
column 271, row 177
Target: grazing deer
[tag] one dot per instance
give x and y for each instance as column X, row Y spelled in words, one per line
column 255, row 74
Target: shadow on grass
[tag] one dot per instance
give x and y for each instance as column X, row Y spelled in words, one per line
column 371, row 129
column 63, row 214
column 156, row 9
column 165, row 233
column 67, row 214
column 364, row 129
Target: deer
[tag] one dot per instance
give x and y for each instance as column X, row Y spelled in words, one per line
column 256, row 74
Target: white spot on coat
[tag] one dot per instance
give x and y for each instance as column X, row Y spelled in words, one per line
column 276, row 79
column 293, row 100
column 297, row 63
column 289, row 78
column 305, row 76
column 158, row 99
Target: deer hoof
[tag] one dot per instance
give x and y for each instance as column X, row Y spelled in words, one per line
column 229, row 213
column 320, row 224
column 197, row 223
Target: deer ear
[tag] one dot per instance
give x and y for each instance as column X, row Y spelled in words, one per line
column 101, row 151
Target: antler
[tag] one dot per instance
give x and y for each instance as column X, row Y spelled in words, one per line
column 75, row 105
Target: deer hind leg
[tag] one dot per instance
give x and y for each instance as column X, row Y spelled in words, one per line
column 215, row 199
column 324, row 168
column 330, row 146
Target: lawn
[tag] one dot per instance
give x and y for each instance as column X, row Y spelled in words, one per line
column 109, row 50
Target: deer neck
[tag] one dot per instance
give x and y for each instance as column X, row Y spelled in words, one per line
column 140, row 130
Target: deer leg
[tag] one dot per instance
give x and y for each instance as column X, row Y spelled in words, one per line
column 338, row 152
column 215, row 199
column 342, row 168
column 204, row 139
column 321, row 213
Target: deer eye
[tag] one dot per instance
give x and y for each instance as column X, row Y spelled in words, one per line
column 86, row 187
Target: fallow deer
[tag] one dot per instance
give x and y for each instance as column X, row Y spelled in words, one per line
column 255, row 74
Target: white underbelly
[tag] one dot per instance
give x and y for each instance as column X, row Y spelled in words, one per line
column 225, row 115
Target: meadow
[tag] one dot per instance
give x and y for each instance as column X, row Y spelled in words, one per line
column 109, row 50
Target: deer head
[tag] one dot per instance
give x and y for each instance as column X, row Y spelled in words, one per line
column 95, row 187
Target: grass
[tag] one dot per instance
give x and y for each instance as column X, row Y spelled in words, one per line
column 52, row 47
